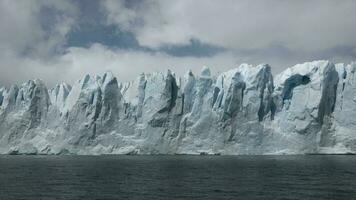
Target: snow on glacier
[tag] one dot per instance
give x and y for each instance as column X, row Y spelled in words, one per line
column 307, row 108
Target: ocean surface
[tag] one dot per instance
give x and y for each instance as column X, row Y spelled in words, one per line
column 178, row 177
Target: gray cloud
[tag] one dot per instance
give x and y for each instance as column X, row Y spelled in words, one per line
column 63, row 40
column 28, row 27
column 32, row 32
column 297, row 25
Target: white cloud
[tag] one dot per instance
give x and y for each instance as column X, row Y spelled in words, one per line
column 128, row 64
column 19, row 26
column 298, row 25
column 28, row 49
column 27, row 46
column 24, row 31
column 125, row 64
column 20, row 22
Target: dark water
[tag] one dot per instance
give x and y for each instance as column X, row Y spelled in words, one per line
column 177, row 177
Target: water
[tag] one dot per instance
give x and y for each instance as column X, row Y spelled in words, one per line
column 177, row 177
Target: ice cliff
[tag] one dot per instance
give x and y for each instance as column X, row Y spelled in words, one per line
column 308, row 108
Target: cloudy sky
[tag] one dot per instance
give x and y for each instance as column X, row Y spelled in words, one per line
column 63, row 40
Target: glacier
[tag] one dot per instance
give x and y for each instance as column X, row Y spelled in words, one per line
column 309, row 108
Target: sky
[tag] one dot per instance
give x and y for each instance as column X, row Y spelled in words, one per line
column 61, row 41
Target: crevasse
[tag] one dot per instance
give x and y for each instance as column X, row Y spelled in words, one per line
column 308, row 108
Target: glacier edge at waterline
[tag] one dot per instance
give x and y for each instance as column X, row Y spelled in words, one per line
column 307, row 108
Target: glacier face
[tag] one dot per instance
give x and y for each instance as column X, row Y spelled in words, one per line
column 308, row 108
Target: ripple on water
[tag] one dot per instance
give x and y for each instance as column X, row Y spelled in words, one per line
column 177, row 177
